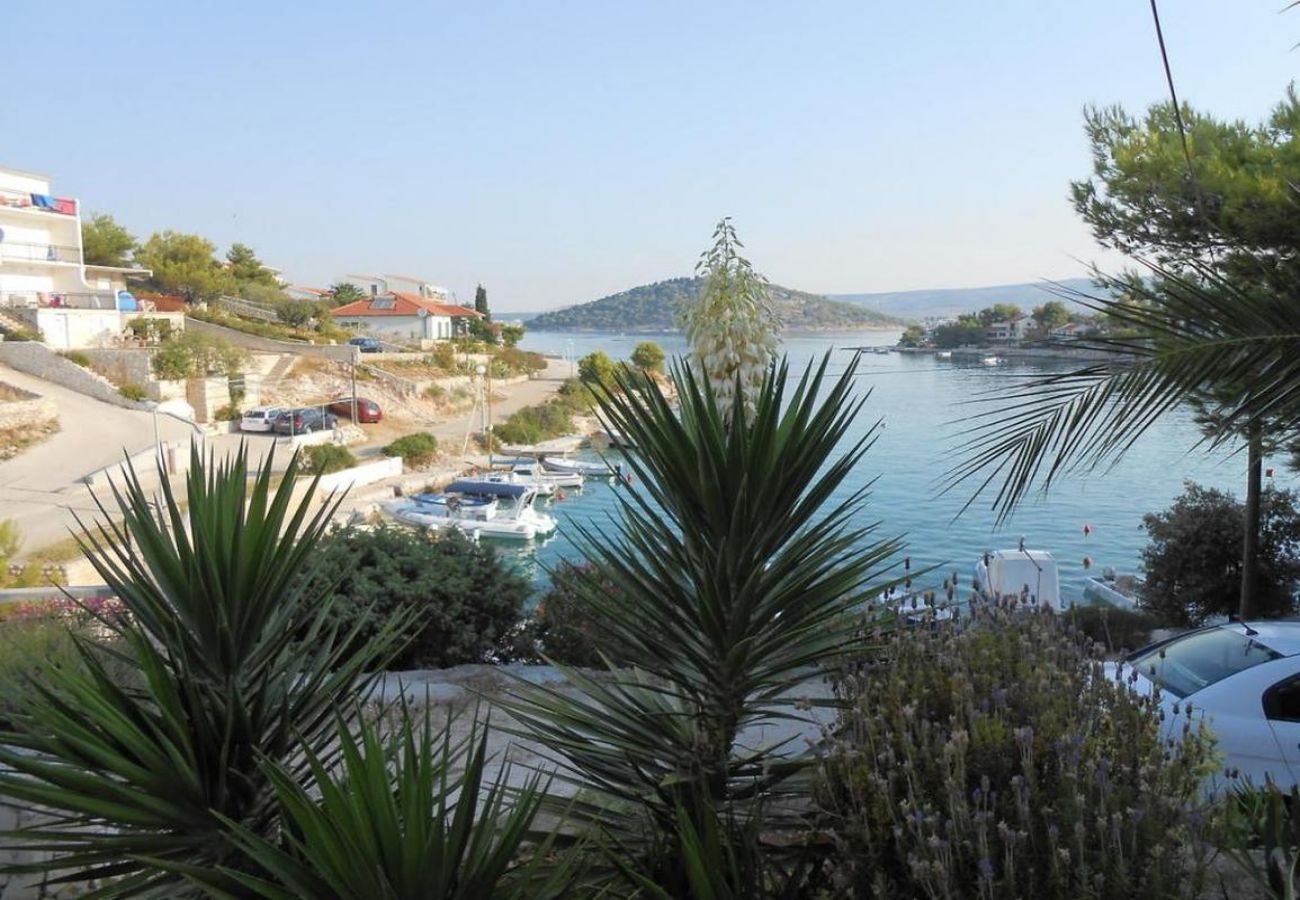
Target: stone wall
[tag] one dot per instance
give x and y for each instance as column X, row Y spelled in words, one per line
column 121, row 366
column 42, row 362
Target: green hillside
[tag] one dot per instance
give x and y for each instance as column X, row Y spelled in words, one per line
column 654, row 307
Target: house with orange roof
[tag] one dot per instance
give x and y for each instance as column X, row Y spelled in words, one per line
column 405, row 316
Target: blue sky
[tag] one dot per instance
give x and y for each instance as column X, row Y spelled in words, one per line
column 558, row 151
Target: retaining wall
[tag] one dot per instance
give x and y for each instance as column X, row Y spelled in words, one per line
column 42, row 362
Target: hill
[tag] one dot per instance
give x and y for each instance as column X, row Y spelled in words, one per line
column 654, row 307
column 952, row 301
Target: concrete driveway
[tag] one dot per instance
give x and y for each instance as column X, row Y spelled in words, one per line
column 41, row 488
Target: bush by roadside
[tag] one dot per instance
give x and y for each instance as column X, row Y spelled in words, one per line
column 417, row 449
column 323, row 459
column 559, row 630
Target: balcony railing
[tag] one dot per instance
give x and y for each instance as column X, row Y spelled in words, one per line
column 40, row 202
column 17, row 251
column 64, row 300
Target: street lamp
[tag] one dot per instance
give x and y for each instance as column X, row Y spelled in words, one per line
column 486, row 388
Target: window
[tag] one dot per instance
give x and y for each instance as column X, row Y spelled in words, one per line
column 1282, row 701
column 383, row 303
column 1187, row 664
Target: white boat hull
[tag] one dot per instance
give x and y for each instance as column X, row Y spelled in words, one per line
column 578, row 467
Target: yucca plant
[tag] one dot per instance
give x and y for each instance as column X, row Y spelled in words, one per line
column 230, row 664
column 735, row 567
column 402, row 818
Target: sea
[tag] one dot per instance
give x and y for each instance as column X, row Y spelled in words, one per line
column 1089, row 521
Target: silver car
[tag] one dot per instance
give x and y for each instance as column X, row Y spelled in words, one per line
column 260, row 419
column 1243, row 679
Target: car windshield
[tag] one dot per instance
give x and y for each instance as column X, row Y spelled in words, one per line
column 1197, row 660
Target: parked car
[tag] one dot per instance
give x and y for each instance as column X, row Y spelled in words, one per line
column 368, row 411
column 1243, row 678
column 367, row 344
column 260, row 419
column 301, row 421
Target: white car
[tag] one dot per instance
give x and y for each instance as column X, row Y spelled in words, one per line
column 1244, row 679
column 260, row 419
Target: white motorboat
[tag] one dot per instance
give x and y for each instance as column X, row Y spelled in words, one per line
column 943, row 354
column 582, row 467
column 475, row 516
column 499, row 484
column 1115, row 590
column 531, row 473
column 1027, row 575
column 991, row 361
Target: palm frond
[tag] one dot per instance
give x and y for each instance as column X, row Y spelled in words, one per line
column 232, row 663
column 1196, row 338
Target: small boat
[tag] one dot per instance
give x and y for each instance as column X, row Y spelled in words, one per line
column 474, row 516
column 1121, row 591
column 582, row 467
column 1027, row 575
column 499, row 484
column 531, row 473
column 991, row 361
column 943, row 354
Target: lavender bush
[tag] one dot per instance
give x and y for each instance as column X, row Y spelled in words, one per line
column 992, row 757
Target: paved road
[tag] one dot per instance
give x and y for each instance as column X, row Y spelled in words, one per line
column 40, row 488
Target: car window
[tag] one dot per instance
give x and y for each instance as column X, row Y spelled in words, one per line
column 1195, row 661
column 1282, row 700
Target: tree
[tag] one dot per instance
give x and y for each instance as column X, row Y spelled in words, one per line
column 966, row 331
column 247, row 268
column 648, row 356
column 732, row 326
column 1193, row 564
column 730, row 576
column 998, row 312
column 104, row 242
column 913, row 336
column 1050, row 315
column 342, row 292
column 461, row 598
column 596, row 368
column 481, row 303
column 296, row 313
column 185, row 264
column 1213, row 326
column 511, row 335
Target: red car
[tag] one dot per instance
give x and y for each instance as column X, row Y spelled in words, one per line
column 368, row 411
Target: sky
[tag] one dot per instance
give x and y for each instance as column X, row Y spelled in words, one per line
column 559, row 151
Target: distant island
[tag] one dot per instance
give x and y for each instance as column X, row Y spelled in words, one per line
column 655, row 307
column 946, row 302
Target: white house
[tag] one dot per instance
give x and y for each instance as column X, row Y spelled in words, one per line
column 1015, row 329
column 406, row 316
column 1073, row 330
column 44, row 281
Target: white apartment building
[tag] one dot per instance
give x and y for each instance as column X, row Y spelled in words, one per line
column 44, row 281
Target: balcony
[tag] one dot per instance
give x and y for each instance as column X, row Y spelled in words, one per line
column 17, row 251
column 62, row 300
column 44, row 203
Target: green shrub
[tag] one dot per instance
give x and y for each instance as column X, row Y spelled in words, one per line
column 560, row 628
column 443, row 356
column 76, row 356
column 149, row 328
column 228, row 413
column 416, row 449
column 648, row 356
column 22, row 333
column 596, row 368
column 466, row 601
column 535, row 423
column 325, row 458
column 1113, row 628
column 435, row 392
column 511, row 361
column 994, row 758
column 132, row 391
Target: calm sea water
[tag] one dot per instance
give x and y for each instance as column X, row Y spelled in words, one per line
column 917, row 398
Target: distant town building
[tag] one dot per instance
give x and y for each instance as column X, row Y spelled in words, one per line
column 44, row 281
column 407, row 315
column 1015, row 329
column 1072, row 330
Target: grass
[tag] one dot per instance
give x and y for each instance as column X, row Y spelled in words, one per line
column 11, row 394
column 14, row 441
